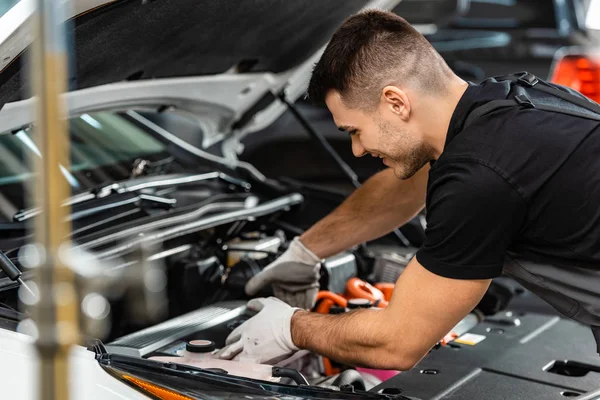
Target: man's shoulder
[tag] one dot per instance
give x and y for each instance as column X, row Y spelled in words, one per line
column 521, row 124
column 468, row 176
column 525, row 146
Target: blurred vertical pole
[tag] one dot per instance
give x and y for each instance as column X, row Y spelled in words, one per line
column 56, row 312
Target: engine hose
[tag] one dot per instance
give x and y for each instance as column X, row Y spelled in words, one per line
column 324, row 306
column 386, row 288
column 326, row 299
column 279, row 372
column 358, row 289
column 350, row 377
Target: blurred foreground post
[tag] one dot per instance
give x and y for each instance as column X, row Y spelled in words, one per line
column 56, row 311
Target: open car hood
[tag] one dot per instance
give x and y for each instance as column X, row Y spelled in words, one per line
column 222, row 63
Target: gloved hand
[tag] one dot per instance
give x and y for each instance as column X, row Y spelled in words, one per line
column 265, row 338
column 294, row 275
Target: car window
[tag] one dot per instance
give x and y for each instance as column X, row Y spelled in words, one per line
column 520, row 14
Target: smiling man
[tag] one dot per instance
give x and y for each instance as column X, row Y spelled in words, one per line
column 515, row 190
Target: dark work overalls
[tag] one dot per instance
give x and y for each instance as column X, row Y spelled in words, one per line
column 574, row 290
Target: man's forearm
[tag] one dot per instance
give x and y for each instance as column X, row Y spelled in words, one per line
column 379, row 206
column 361, row 338
column 398, row 336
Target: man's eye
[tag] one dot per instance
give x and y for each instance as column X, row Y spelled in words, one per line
column 352, row 133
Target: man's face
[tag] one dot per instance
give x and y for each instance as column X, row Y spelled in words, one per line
column 381, row 133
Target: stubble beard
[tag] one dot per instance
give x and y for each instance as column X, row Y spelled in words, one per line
column 406, row 155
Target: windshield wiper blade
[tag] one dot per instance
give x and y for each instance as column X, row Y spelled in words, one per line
column 134, row 185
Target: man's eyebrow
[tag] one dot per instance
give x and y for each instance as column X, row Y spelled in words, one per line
column 345, row 128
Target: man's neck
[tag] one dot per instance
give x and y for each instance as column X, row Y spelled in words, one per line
column 444, row 110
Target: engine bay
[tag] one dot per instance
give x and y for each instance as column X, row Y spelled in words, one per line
column 218, row 232
column 207, row 301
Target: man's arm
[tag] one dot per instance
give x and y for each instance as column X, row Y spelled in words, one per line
column 380, row 205
column 473, row 215
column 423, row 309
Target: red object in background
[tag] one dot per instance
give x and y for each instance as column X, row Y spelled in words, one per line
column 579, row 72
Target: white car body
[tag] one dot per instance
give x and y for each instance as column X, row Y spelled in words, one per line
column 19, row 373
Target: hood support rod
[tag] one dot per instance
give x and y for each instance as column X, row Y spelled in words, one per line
column 346, row 169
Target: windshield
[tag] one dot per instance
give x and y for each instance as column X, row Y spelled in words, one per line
column 6, row 5
column 103, row 147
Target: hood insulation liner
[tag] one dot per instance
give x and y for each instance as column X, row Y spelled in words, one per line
column 131, row 39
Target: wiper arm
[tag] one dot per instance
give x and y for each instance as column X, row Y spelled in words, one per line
column 139, row 200
column 134, row 185
column 121, row 200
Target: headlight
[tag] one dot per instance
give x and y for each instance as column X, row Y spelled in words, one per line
column 158, row 391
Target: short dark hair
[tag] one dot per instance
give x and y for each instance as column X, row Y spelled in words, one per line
column 373, row 49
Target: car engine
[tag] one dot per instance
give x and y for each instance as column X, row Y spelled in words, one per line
column 209, row 245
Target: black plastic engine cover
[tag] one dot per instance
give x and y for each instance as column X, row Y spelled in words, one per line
column 512, row 362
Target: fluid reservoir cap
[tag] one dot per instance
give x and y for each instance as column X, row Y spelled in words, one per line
column 359, row 303
column 200, row 346
column 337, row 310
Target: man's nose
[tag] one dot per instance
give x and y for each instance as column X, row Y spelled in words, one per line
column 357, row 149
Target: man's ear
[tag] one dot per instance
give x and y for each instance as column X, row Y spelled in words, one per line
column 396, row 100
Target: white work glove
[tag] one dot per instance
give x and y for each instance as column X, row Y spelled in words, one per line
column 265, row 338
column 294, row 275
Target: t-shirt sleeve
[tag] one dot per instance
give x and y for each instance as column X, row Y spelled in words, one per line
column 473, row 215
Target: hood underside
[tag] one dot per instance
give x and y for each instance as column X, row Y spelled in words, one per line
column 137, row 40
column 219, row 63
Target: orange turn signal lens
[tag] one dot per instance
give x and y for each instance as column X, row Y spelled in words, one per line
column 158, row 391
column 579, row 72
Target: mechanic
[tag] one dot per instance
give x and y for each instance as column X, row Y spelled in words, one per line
column 516, row 191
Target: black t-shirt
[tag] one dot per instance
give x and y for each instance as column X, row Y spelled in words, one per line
column 517, row 179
